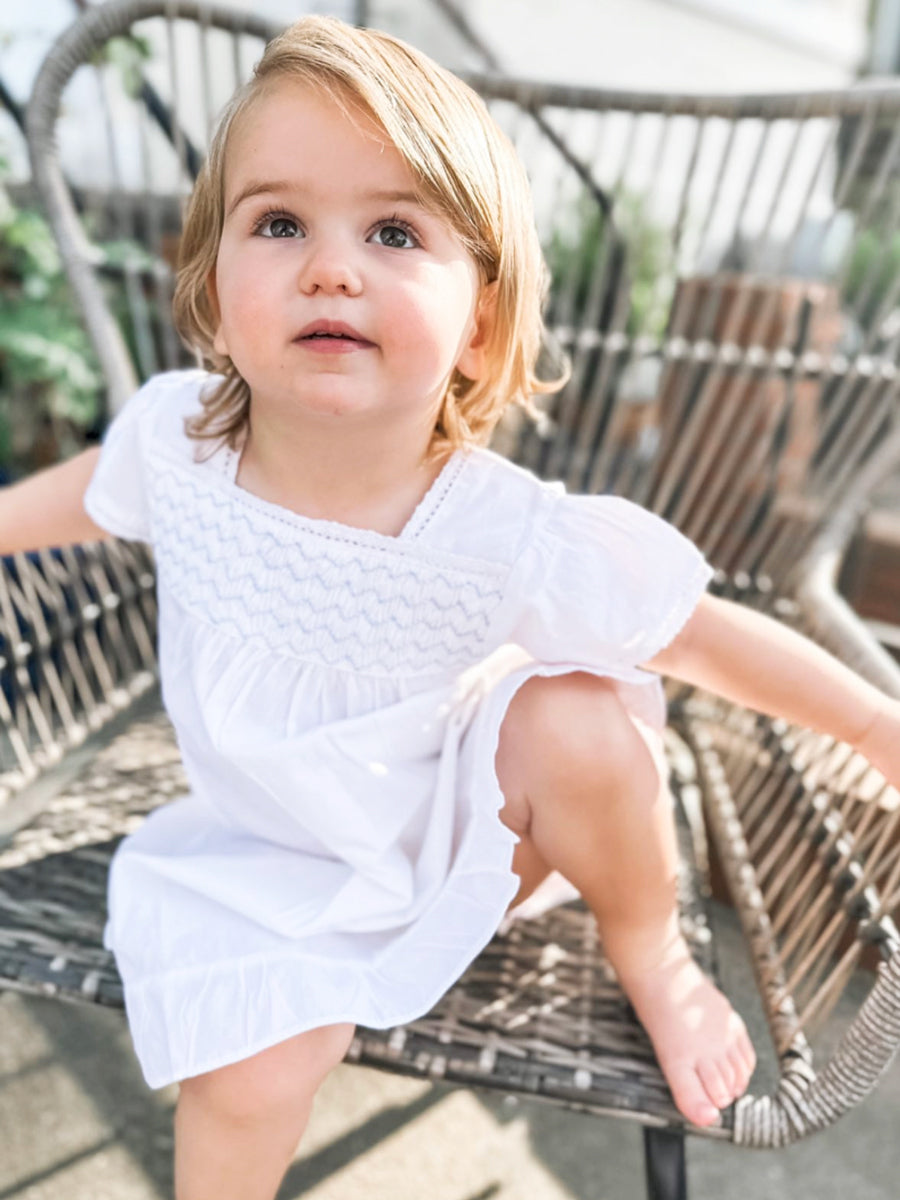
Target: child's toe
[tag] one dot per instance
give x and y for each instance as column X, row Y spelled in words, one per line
column 691, row 1096
column 729, row 1075
column 745, row 1049
column 714, row 1080
column 742, row 1071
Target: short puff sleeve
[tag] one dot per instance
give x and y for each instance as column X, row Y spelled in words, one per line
column 607, row 584
column 116, row 497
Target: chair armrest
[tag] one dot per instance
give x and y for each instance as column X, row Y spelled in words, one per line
column 805, row 1099
column 75, row 46
column 834, row 623
column 825, row 612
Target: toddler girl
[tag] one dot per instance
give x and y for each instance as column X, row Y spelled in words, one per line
column 408, row 678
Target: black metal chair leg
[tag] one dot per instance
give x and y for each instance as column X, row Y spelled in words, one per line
column 664, row 1161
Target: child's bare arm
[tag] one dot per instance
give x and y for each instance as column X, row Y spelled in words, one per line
column 760, row 663
column 47, row 508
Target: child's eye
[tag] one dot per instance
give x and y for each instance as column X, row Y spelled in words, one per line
column 396, row 234
column 276, row 225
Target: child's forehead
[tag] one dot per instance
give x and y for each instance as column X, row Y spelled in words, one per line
column 290, row 115
column 345, row 146
column 307, row 108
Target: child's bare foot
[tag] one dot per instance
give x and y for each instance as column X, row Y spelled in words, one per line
column 700, row 1041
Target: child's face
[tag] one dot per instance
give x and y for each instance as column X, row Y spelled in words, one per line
column 322, row 226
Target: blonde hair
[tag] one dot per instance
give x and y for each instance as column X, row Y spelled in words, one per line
column 465, row 166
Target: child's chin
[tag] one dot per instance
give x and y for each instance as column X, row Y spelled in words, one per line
column 334, row 402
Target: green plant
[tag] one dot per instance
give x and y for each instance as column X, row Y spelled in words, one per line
column 633, row 250
column 49, row 379
column 873, row 273
column 127, row 55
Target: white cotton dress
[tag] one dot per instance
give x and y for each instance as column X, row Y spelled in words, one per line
column 337, row 695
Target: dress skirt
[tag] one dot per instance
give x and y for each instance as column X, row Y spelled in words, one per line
column 212, row 977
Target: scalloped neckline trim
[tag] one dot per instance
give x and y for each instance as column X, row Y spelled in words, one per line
column 421, row 516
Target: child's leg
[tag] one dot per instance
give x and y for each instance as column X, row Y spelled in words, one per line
column 237, row 1128
column 582, row 787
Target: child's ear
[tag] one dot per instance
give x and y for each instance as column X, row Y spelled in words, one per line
column 473, row 360
column 219, row 344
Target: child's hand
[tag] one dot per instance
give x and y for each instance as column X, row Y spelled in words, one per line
column 880, row 744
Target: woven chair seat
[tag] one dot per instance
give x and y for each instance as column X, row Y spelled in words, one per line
column 539, row 1012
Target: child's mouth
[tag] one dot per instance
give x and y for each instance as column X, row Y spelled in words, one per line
column 332, row 343
column 331, row 337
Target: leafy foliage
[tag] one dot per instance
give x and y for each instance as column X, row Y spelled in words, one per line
column 48, row 371
column 873, row 274
column 127, row 54
column 630, row 251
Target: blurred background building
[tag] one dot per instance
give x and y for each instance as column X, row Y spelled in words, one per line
column 669, row 45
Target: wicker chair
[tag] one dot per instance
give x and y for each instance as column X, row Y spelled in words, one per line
column 734, row 370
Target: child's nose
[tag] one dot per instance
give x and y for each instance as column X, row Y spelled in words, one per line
column 329, row 266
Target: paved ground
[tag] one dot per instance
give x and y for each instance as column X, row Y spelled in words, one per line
column 76, row 1121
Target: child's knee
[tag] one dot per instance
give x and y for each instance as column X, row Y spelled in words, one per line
column 279, row 1081
column 571, row 728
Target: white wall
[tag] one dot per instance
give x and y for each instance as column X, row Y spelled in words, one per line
column 679, row 45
